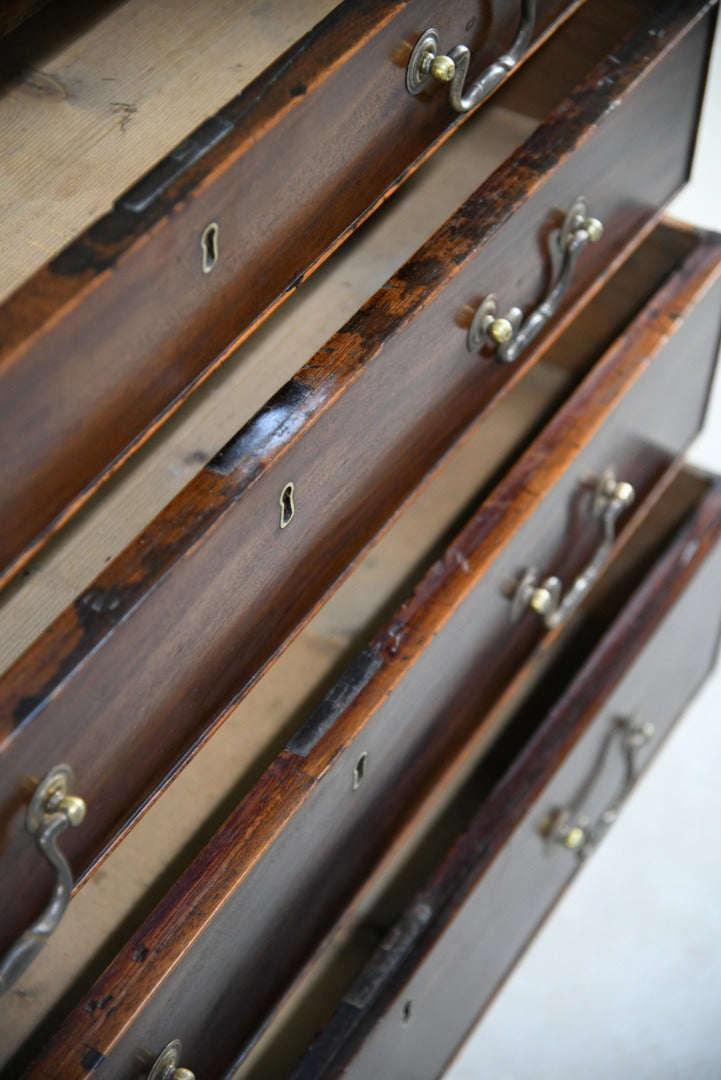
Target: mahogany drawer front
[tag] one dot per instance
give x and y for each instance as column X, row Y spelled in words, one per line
column 102, row 689
column 117, row 328
column 418, row 314
column 438, row 967
column 401, row 705
column 104, row 680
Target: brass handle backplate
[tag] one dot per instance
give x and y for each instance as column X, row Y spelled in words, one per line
column 165, row 1066
column 612, row 497
column 510, row 334
column 427, row 63
column 572, row 829
column 52, row 809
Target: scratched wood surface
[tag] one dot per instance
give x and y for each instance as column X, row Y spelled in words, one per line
column 441, row 962
column 403, row 700
column 122, row 323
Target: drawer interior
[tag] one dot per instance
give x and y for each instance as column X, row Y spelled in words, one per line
column 229, row 398
column 351, row 944
column 116, row 899
column 120, row 895
column 90, row 101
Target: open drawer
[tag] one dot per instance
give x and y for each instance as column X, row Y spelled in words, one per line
column 131, row 678
column 361, row 767
column 544, row 798
column 106, row 340
column 281, row 127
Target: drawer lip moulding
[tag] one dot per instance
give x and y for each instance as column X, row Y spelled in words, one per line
column 54, row 697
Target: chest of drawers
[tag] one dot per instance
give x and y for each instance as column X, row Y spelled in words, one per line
column 247, row 704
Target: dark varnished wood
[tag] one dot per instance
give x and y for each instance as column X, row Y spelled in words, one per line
column 131, row 678
column 106, row 340
column 405, row 702
column 455, row 943
column 154, row 653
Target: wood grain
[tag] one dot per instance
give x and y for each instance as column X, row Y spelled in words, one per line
column 217, row 777
column 453, row 795
column 442, row 961
column 261, row 366
column 103, row 685
column 117, row 329
column 206, row 575
column 140, row 870
column 83, row 122
column 404, row 701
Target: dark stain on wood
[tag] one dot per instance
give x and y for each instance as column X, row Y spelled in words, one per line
column 92, row 1059
column 356, row 676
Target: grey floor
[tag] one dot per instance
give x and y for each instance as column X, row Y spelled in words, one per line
column 624, row 981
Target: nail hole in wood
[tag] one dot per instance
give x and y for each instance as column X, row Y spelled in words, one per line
column 407, row 1010
column 209, row 247
column 287, row 506
column 360, row 771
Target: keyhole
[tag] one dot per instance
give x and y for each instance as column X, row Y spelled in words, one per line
column 209, row 247
column 360, row 771
column 287, row 506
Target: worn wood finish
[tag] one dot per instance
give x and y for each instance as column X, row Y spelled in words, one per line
column 404, row 703
column 440, row 964
column 137, row 273
column 234, row 393
column 349, row 942
column 134, row 675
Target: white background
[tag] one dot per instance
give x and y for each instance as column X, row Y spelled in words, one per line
column 624, row 981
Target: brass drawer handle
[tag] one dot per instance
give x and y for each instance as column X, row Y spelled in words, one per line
column 52, row 808
column 166, row 1065
column 612, row 497
column 509, row 335
column 576, row 832
column 426, row 63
